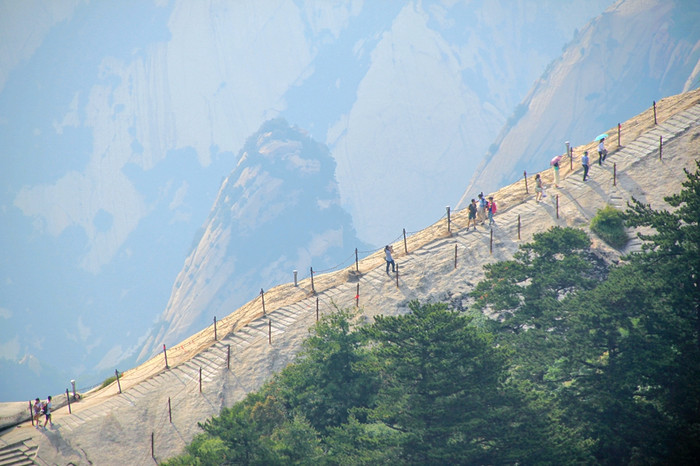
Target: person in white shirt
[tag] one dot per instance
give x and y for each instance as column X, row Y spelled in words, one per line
column 602, row 153
column 388, row 250
column 36, row 407
column 481, row 211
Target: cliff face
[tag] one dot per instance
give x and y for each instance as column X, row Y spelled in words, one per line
column 631, row 55
column 278, row 211
column 155, row 411
column 119, row 119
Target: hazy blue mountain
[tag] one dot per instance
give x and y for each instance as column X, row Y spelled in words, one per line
column 633, row 54
column 119, row 120
column 278, row 211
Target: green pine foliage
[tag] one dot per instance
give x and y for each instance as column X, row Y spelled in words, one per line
column 580, row 363
column 609, row 225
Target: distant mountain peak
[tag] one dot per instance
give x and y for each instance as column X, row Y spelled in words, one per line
column 278, row 211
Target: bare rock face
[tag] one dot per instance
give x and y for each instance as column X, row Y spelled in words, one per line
column 621, row 62
column 278, row 211
column 138, row 427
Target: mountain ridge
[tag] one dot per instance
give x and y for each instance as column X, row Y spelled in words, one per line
column 589, row 76
column 117, row 123
column 283, row 177
column 267, row 344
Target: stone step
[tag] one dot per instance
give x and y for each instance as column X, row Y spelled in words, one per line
column 281, row 319
column 470, row 244
column 648, row 140
column 638, row 148
column 675, row 127
column 286, row 313
column 692, row 112
column 18, row 460
column 11, row 452
column 684, row 121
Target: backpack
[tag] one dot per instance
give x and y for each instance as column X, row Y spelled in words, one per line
column 493, row 207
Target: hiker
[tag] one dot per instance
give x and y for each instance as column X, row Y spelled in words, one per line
column 36, row 407
column 492, row 210
column 472, row 214
column 388, row 250
column 47, row 412
column 538, row 188
column 481, row 211
column 556, row 174
column 584, row 163
column 602, row 152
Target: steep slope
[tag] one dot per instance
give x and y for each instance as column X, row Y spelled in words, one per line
column 616, row 66
column 440, row 82
column 156, row 413
column 278, row 211
column 119, row 119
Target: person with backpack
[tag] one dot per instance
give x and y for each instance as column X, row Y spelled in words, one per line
column 492, row 209
column 472, row 214
column 47, row 412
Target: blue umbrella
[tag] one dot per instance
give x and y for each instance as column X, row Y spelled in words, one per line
column 601, row 136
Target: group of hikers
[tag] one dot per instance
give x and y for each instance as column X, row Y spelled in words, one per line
column 478, row 213
column 480, row 210
column 40, row 408
column 602, row 154
column 585, row 163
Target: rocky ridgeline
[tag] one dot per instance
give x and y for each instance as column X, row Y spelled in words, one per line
column 154, row 411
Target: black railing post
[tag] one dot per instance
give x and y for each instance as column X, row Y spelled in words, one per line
column 68, row 399
column 525, row 177
column 165, row 355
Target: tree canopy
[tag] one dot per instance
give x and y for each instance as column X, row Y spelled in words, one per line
column 578, row 362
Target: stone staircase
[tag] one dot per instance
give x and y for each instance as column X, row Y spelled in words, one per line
column 18, row 453
column 273, row 340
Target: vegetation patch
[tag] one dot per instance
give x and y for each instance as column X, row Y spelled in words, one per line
column 108, row 381
column 609, row 225
column 582, row 366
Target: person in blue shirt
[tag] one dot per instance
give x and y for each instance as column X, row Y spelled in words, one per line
column 584, row 163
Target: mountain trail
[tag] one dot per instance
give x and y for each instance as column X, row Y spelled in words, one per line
column 152, row 413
